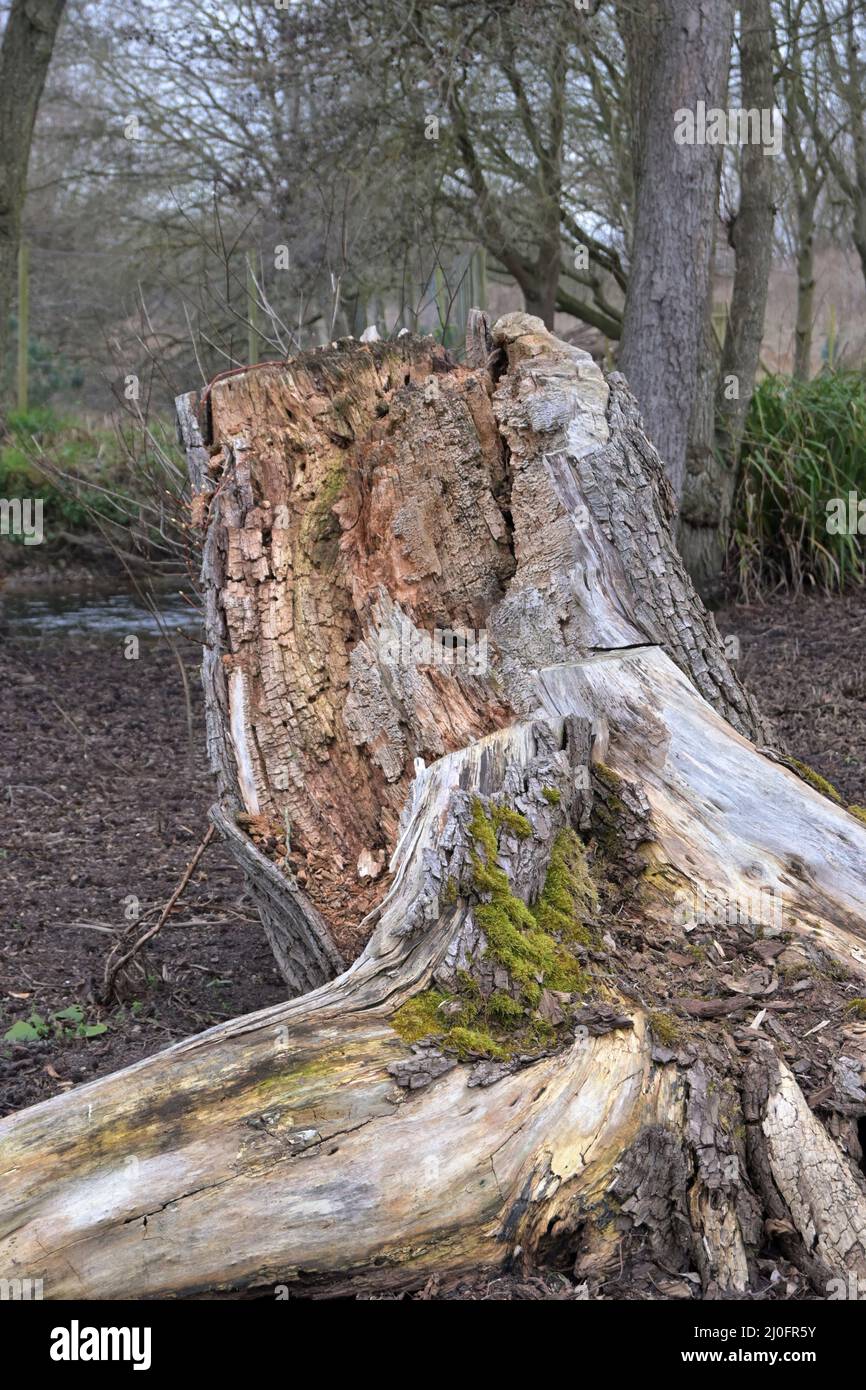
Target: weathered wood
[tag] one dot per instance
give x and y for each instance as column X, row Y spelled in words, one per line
column 359, row 500
column 321, row 1143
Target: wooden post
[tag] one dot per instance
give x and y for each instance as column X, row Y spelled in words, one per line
column 23, row 318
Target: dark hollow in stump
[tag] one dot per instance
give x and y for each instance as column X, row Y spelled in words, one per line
column 474, row 733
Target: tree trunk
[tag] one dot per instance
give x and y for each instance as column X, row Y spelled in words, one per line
column 752, row 238
column 709, row 492
column 805, row 286
column 678, row 53
column 549, row 1049
column 28, row 42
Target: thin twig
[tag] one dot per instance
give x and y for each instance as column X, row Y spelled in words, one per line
column 111, row 971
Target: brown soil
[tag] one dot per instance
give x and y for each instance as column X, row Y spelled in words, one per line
column 804, row 659
column 100, row 802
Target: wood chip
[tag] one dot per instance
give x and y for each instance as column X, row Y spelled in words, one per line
column 817, row 1028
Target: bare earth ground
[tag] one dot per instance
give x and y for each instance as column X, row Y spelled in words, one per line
column 99, row 803
column 101, row 800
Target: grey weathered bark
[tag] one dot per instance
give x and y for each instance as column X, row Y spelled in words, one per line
column 678, row 53
column 708, row 496
column 25, row 55
column 523, row 1063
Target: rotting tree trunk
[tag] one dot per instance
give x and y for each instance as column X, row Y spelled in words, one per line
column 526, row 1062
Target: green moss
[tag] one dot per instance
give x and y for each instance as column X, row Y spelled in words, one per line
column 569, row 896
column 469, row 986
column 609, row 810
column 419, row 1017
column 815, row 780
column 665, row 1028
column 504, row 1008
column 471, row 1042
column 605, row 774
column 483, row 833
column 531, row 943
column 503, row 816
column 856, row 1007
column 858, row 811
column 523, row 941
column 551, row 794
column 796, row 971
column 834, row 969
column 319, row 520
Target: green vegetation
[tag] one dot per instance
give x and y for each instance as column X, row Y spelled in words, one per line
column 805, row 443
column 66, row 1023
column 665, row 1028
column 93, row 455
column 533, row 944
column 516, row 939
column 815, row 780
column 858, row 811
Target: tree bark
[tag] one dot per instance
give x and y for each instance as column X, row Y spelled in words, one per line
column 678, row 53
column 525, row 1063
column 708, row 498
column 25, row 54
column 805, row 285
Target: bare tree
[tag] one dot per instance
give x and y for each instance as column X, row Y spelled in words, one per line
column 836, row 111
column 25, row 54
column 800, row 82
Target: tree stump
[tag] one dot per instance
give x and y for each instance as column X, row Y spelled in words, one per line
column 477, row 740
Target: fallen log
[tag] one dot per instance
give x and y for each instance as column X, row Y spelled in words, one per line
column 498, row 832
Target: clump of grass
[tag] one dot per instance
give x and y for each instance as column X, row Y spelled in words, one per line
column 856, row 1007
column 805, row 443
column 75, row 448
